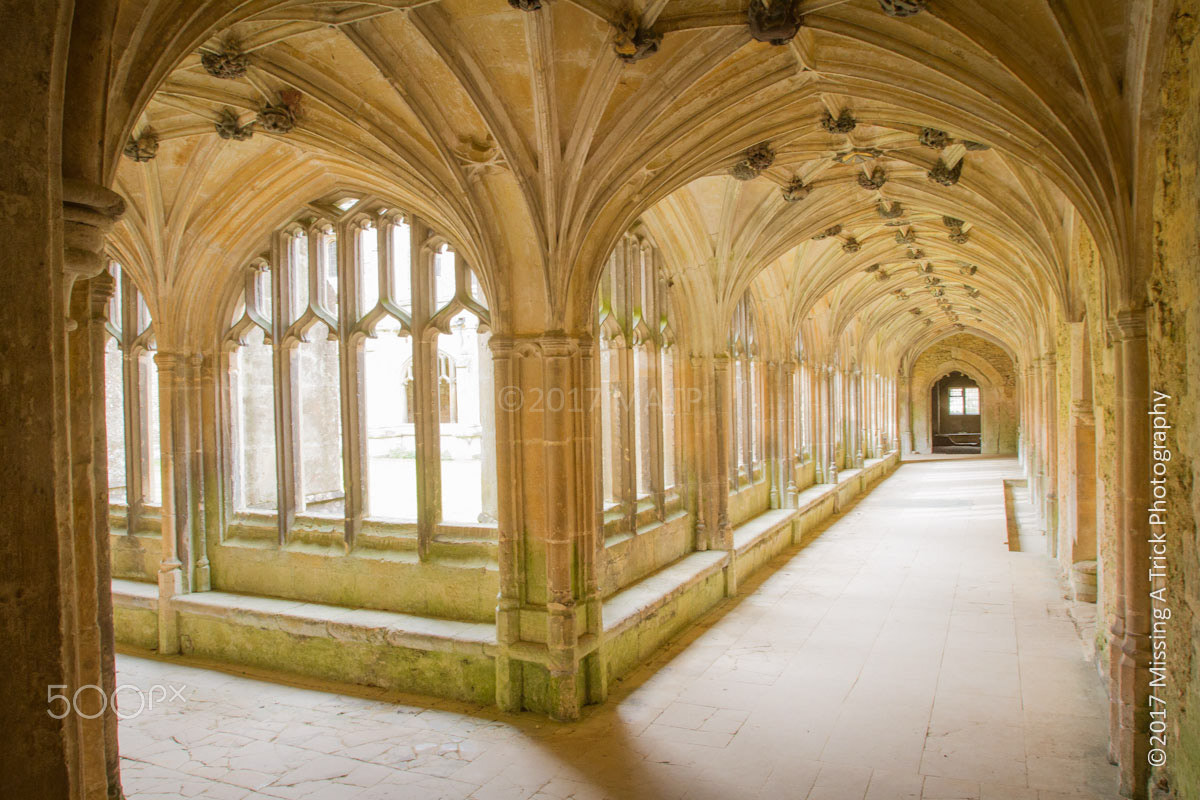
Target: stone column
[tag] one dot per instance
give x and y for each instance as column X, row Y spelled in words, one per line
column 172, row 369
column 101, row 289
column 1049, row 385
column 904, row 395
column 549, row 618
column 791, row 433
column 1133, row 442
column 831, row 423
column 859, row 415
column 1081, row 479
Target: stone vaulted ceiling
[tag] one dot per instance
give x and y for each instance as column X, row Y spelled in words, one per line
column 973, row 139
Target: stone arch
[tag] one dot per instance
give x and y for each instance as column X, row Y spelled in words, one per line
column 996, row 391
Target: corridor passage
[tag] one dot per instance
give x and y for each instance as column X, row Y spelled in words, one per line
column 904, row 653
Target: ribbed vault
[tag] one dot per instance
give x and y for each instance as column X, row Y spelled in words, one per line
column 525, row 137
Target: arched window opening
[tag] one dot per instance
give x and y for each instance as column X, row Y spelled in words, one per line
column 131, row 401
column 252, row 395
column 745, row 449
column 636, row 401
column 466, row 416
column 367, row 394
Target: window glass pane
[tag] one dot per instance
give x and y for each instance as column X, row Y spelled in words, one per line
column 402, row 264
column 955, row 401
column 609, row 399
column 252, row 388
column 328, row 276
column 477, row 291
column 114, row 419
column 667, row 370
column 391, row 491
column 755, row 416
column 466, row 422
column 298, row 276
column 319, row 413
column 443, row 276
column 263, row 283
column 368, row 269
column 971, row 396
column 738, row 411
column 640, row 415
column 151, row 444
column 143, row 314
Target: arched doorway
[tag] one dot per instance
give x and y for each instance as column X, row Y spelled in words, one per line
column 956, row 414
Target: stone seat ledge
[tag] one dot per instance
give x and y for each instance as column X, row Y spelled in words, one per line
column 629, row 606
column 755, row 530
column 135, row 594
column 321, row 621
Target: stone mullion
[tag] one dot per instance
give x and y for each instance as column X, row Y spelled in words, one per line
column 510, row 520
column 1133, row 499
column 905, row 396
column 283, row 364
column 775, row 424
column 350, row 376
column 425, row 390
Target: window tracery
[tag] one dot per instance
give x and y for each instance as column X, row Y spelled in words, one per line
column 379, row 394
column 131, row 402
column 637, row 402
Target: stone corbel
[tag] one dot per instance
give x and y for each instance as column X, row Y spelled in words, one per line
column 89, row 213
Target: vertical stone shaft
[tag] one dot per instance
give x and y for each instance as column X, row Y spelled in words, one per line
column 1134, row 443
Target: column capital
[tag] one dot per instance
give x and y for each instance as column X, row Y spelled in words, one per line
column 103, row 287
column 1126, row 325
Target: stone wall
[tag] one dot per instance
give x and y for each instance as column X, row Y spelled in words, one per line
column 1174, row 339
column 990, row 367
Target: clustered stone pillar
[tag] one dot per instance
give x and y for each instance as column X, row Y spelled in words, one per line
column 1133, row 444
column 905, row 424
column 548, row 618
column 1080, row 505
column 1049, row 417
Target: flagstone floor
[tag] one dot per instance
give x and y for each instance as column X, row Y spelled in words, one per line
column 904, row 654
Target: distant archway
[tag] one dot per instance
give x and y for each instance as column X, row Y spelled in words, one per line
column 955, row 414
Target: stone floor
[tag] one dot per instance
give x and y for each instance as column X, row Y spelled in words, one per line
column 906, row 653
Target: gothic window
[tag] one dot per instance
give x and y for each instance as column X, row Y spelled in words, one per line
column 131, row 402
column 800, row 402
column 252, row 394
column 636, row 401
column 359, row 376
